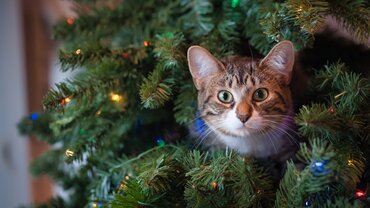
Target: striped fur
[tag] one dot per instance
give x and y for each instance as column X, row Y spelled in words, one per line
column 267, row 131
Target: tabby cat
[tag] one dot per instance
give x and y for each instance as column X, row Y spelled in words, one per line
column 246, row 104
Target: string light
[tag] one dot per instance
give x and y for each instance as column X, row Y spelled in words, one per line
column 66, row 100
column 70, row 20
column 69, row 153
column 115, row 97
column 307, row 204
column 234, row 3
column 350, row 162
column 98, row 113
column 78, row 51
column 94, row 205
column 122, row 186
column 127, row 177
column 82, row 131
column 169, row 34
column 146, row 43
column 300, row 8
column 360, row 193
column 160, row 142
column 332, row 109
column 34, row 116
column 214, row 185
column 125, row 55
column 318, row 167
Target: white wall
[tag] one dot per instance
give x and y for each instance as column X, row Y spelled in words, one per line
column 14, row 177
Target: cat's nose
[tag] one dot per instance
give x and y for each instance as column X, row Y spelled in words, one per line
column 243, row 118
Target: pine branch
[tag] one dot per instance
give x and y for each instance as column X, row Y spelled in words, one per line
column 342, row 203
column 308, row 15
column 329, row 75
column 84, row 85
column 161, row 174
column 132, row 196
column 316, row 121
column 355, row 91
column 185, row 105
column 252, row 29
column 226, row 173
column 197, row 20
column 354, row 16
column 296, row 186
column 157, row 88
column 169, row 49
column 93, row 55
column 37, row 125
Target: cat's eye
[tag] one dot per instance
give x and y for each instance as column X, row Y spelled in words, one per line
column 225, row 96
column 260, row 94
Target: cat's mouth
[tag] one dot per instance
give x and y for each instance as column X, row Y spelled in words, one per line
column 248, row 129
column 243, row 130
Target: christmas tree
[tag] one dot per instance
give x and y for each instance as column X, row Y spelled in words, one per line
column 119, row 129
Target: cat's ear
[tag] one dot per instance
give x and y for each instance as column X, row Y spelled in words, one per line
column 281, row 60
column 202, row 65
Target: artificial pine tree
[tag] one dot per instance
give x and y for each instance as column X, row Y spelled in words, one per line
column 118, row 129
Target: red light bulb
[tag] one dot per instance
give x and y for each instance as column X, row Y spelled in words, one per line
column 360, row 193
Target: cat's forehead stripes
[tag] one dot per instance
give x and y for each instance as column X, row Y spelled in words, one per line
column 241, row 71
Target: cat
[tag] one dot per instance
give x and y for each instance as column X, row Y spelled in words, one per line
column 246, row 104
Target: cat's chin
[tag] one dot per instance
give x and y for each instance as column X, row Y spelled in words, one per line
column 241, row 132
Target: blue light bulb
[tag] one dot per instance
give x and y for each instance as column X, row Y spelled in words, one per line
column 34, row 116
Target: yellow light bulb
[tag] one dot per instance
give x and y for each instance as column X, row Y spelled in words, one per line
column 214, row 184
column 67, row 100
column 300, row 8
column 69, row 153
column 78, row 51
column 350, row 162
column 122, row 186
column 115, row 97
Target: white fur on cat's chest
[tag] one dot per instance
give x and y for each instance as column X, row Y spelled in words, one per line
column 257, row 145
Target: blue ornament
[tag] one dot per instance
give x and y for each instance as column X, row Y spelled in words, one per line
column 200, row 126
column 318, row 167
column 34, row 116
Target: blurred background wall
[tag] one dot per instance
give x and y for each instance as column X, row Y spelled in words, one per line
column 14, row 180
column 28, row 67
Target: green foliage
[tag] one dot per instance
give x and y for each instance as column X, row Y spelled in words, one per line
column 156, row 89
column 354, row 16
column 200, row 177
column 325, row 170
column 133, row 88
column 296, row 186
column 185, row 104
column 341, row 202
column 132, row 196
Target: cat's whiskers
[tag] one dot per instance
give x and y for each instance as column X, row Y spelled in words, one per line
column 205, row 134
column 265, row 134
column 277, row 127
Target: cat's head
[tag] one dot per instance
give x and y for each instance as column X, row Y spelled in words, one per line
column 241, row 97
